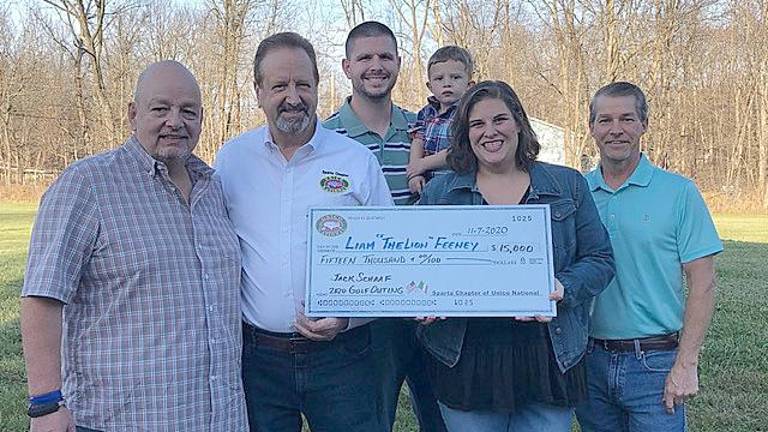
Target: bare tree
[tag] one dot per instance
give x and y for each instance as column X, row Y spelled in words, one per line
column 354, row 11
column 413, row 15
column 67, row 69
column 87, row 22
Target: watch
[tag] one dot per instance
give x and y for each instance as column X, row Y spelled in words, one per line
column 44, row 409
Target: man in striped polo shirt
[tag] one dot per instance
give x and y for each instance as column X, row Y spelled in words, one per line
column 370, row 117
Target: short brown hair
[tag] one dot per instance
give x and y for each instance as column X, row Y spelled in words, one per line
column 368, row 29
column 283, row 40
column 460, row 156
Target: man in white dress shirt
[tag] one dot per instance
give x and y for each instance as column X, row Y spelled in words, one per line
column 272, row 175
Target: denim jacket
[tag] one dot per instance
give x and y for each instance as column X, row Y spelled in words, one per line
column 583, row 258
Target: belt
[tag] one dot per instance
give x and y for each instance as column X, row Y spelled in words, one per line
column 293, row 343
column 666, row 342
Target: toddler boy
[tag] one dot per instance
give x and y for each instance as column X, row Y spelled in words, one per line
column 450, row 75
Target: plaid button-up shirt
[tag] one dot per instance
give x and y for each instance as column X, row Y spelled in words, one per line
column 151, row 337
column 434, row 128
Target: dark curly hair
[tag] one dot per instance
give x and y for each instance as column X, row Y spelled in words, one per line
column 460, row 156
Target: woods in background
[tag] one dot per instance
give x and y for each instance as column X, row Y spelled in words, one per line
column 67, row 68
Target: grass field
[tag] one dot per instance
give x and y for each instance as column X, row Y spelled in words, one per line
column 734, row 365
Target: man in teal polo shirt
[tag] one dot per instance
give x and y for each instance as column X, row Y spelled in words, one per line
column 645, row 335
column 369, row 117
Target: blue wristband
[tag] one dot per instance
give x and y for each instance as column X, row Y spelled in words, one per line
column 53, row 396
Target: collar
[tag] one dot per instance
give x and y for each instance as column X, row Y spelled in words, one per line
column 641, row 176
column 542, row 182
column 314, row 141
column 435, row 104
column 152, row 166
column 464, row 181
column 355, row 127
column 136, row 151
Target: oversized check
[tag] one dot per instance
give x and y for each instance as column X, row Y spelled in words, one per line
column 430, row 261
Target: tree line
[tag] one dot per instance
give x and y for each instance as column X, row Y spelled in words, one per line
column 67, row 69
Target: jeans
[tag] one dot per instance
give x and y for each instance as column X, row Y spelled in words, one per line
column 529, row 418
column 626, row 391
column 401, row 358
column 333, row 387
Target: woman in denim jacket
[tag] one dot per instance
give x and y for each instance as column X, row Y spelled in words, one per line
column 527, row 374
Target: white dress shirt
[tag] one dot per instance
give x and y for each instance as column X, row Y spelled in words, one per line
column 268, row 199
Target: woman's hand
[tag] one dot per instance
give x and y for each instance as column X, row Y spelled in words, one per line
column 428, row 320
column 558, row 293
column 555, row 295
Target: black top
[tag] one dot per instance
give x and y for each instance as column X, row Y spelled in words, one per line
column 505, row 364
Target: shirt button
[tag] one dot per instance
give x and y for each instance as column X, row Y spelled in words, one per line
column 213, row 377
column 558, row 330
column 206, row 276
column 211, row 308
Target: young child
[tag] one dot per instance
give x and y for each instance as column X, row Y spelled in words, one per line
column 450, row 75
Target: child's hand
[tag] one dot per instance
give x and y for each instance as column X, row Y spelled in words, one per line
column 415, row 168
column 416, row 184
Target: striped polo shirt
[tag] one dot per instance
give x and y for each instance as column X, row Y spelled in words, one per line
column 392, row 151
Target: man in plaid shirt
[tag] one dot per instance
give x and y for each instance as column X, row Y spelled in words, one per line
column 130, row 314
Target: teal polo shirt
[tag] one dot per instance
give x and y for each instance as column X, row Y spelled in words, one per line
column 392, row 150
column 656, row 221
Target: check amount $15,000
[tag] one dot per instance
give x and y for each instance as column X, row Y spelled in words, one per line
column 430, row 261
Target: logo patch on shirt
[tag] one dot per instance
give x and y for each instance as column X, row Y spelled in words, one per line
column 334, row 182
column 331, row 225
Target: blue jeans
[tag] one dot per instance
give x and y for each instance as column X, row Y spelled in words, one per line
column 528, row 418
column 401, row 358
column 626, row 391
column 333, row 387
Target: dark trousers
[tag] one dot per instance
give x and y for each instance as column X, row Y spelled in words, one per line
column 401, row 359
column 332, row 386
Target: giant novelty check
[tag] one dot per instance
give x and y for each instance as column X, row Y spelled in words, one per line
column 430, row 261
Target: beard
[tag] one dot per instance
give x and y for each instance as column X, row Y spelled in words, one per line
column 173, row 153
column 296, row 125
column 372, row 94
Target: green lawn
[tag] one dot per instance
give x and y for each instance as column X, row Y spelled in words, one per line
column 734, row 365
column 15, row 225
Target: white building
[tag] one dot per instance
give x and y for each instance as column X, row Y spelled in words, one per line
column 552, row 140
